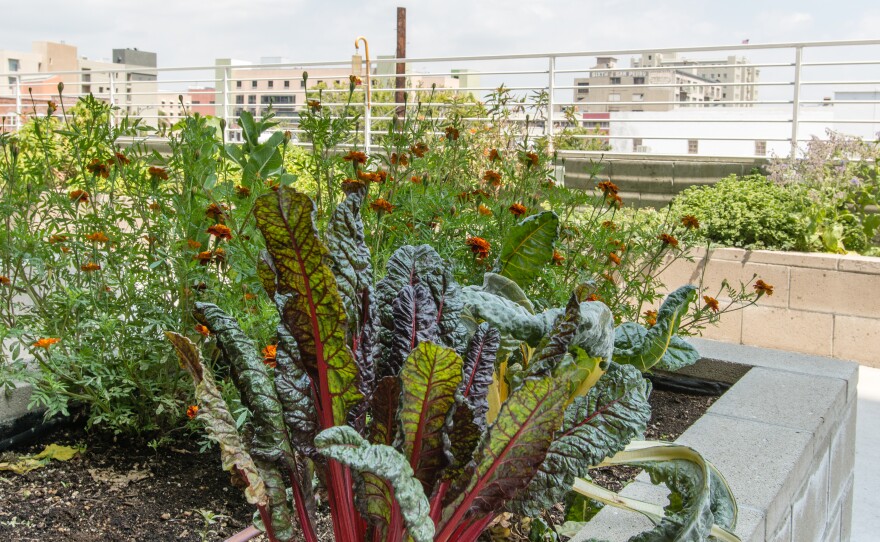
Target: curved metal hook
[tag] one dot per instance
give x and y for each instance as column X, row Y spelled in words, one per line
column 367, row 56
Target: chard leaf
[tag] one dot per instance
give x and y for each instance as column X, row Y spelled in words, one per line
column 595, row 426
column 265, row 485
column 218, row 420
column 428, row 379
column 478, row 370
column 460, row 438
column 256, row 386
column 314, row 313
column 384, row 423
column 343, row 444
column 294, row 390
column 679, row 353
column 528, row 247
column 415, row 322
column 504, row 287
column 266, row 273
column 588, row 326
column 408, row 265
column 644, row 348
column 511, row 452
column 508, row 317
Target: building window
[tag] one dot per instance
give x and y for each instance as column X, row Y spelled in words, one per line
column 302, row 83
column 638, row 97
column 287, row 84
column 239, row 99
column 253, row 84
column 638, row 80
column 760, row 148
column 252, row 99
column 615, row 80
column 614, row 97
column 637, row 142
column 271, row 84
column 14, row 65
column 238, row 84
column 693, row 147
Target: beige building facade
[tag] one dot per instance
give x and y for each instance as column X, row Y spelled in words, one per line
column 736, row 76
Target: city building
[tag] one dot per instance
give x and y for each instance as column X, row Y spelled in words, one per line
column 736, row 75
column 610, row 89
column 203, row 100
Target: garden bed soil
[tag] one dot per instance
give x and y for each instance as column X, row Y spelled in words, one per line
column 117, row 491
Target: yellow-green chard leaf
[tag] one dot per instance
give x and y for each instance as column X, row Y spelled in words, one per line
column 347, row 447
column 314, row 313
column 644, row 348
column 528, row 247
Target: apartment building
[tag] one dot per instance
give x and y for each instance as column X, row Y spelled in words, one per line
column 609, row 89
column 735, row 74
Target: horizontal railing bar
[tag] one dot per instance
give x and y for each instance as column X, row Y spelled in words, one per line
column 680, row 68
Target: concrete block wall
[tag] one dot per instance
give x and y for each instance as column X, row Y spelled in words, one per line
column 652, row 181
column 784, row 438
column 822, row 304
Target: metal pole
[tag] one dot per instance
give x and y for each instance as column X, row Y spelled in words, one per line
column 551, row 86
column 796, row 100
column 225, row 115
column 400, row 80
column 112, row 94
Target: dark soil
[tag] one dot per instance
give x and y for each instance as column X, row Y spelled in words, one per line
column 121, row 492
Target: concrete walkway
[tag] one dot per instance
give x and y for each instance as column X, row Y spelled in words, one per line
column 866, row 497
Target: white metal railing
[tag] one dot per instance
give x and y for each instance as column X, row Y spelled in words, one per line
column 800, row 91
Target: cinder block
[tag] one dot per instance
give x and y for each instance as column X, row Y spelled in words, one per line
column 795, row 330
column 846, row 509
column 819, row 290
column 857, row 339
column 843, row 455
column 14, row 404
column 809, row 512
column 783, row 534
column 832, row 526
column 736, row 273
column 728, row 329
column 795, row 259
column 859, row 264
column 735, row 446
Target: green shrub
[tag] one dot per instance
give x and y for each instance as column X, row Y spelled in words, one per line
column 747, row 212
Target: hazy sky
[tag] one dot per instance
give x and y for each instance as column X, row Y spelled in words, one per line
column 190, row 32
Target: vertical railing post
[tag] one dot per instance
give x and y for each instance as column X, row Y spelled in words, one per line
column 112, row 94
column 796, row 100
column 225, row 116
column 368, row 116
column 551, row 87
column 18, row 112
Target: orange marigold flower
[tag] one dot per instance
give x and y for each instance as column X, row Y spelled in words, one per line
column 650, row 318
column 242, row 191
column 249, row 296
column 381, row 175
column 607, row 187
column 494, row 155
column 270, row 355
column 452, row 133
column 763, row 288
column 121, row 159
column 158, row 173
column 4, row 280
column 98, row 168
column 479, row 246
column 193, row 244
column 79, row 196
column 65, row 249
column 354, row 80
column 517, row 209
column 204, row 257
column 483, row 210
column 51, row 107
column 216, row 212
column 219, row 255
column 610, row 278
column 355, row 157
column 192, row 411
column 690, row 222
column 419, row 150
column 351, row 185
column 314, row 105
column 399, row 159
column 593, row 297
column 220, row 231
column 57, row 238
column 368, row 176
column 415, row 179
column 492, row 177
column 615, row 200
column 97, row 237
column 614, row 258
column 530, row 158
column 154, row 206
column 711, row 303
column 89, row 267
column 381, row 204
column 203, row 330
column 609, row 225
column 558, row 258
column 668, row 239
column 46, row 342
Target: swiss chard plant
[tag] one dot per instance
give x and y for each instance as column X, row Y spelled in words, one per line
column 425, row 409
